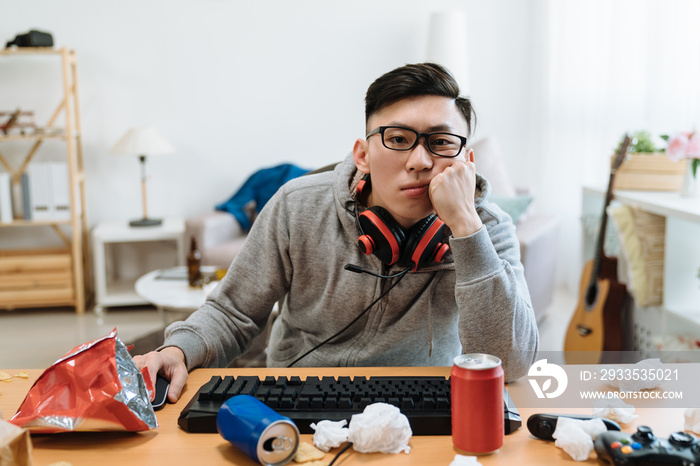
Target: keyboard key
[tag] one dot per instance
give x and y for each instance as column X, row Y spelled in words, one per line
column 220, row 393
column 344, row 402
column 290, row 393
column 295, row 380
column 330, row 403
column 250, row 385
column 316, row 402
column 208, row 388
column 281, row 382
column 286, row 402
column 344, row 381
column 312, row 381
column 270, row 380
column 407, row 403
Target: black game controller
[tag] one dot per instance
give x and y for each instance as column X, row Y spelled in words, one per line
column 542, row 426
column 644, row 448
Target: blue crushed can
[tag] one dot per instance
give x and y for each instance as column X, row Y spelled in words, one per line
column 257, row 430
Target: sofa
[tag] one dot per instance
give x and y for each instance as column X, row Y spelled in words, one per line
column 220, row 236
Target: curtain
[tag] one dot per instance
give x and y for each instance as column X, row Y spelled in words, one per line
column 610, row 67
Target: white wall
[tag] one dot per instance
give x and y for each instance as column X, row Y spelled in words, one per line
column 236, row 85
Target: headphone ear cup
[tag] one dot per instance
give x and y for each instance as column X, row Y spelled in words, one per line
column 424, row 243
column 380, row 235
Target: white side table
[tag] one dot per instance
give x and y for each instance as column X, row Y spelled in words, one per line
column 111, row 290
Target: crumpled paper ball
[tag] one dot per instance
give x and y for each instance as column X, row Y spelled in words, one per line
column 614, row 409
column 692, row 420
column 330, row 434
column 381, row 427
column 630, row 385
column 462, row 460
column 575, row 436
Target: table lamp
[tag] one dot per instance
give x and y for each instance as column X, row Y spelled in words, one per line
column 447, row 44
column 142, row 141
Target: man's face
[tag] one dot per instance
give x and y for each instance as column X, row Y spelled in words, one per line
column 400, row 179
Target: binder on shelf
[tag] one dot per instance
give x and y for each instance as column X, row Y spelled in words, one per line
column 40, row 190
column 60, row 191
column 16, row 195
column 5, row 198
column 46, row 191
column 26, row 198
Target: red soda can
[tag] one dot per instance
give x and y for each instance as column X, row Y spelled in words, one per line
column 476, row 383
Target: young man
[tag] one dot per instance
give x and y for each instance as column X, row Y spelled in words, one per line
column 454, row 288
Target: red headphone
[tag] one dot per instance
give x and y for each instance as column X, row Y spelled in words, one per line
column 382, row 236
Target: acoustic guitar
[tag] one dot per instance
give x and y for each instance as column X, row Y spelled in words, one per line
column 603, row 303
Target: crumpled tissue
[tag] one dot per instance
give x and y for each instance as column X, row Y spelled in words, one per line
column 381, row 427
column 629, row 385
column 330, row 434
column 692, row 420
column 615, row 410
column 462, row 460
column 575, row 436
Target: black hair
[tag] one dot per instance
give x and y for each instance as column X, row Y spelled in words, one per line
column 416, row 80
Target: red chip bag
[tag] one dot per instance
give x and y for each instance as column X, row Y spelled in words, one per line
column 95, row 387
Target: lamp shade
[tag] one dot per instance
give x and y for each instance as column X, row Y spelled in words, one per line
column 142, row 140
column 447, row 43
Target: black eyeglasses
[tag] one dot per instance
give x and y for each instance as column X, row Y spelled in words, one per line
column 404, row 139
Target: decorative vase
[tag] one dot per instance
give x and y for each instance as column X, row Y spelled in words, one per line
column 690, row 186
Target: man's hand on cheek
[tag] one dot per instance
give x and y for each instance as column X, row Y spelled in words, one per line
column 452, row 195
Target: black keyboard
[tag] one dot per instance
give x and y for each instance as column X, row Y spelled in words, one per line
column 424, row 400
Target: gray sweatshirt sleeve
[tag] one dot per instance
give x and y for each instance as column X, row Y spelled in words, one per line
column 237, row 310
column 495, row 312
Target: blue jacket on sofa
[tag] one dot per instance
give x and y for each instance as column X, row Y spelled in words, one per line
column 259, row 187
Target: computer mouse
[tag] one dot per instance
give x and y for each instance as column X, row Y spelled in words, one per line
column 161, row 397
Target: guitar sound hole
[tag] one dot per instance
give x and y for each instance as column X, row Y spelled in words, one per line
column 591, row 295
column 583, row 330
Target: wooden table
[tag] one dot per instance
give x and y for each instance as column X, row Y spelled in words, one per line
column 172, row 446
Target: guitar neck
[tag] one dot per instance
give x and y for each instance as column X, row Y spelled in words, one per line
column 600, row 244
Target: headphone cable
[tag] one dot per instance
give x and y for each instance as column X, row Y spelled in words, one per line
column 400, row 275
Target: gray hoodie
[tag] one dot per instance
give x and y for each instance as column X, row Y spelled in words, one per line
column 295, row 254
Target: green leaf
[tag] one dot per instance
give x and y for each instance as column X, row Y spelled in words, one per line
column 696, row 162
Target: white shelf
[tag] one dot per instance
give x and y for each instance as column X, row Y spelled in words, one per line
column 121, row 232
column 73, row 231
column 666, row 204
column 680, row 311
column 117, row 290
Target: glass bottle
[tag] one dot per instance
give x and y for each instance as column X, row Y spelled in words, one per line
column 194, row 262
